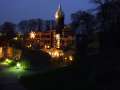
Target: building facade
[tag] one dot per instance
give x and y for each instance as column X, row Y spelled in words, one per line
column 58, row 38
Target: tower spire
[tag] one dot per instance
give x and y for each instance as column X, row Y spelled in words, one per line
column 59, row 13
column 59, row 7
column 59, row 18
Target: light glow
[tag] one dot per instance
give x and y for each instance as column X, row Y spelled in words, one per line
column 18, row 65
column 18, row 71
column 16, row 38
column 57, row 40
column 71, row 58
column 65, row 58
column 7, row 62
column 56, row 53
column 32, row 35
column 47, row 46
column 56, row 16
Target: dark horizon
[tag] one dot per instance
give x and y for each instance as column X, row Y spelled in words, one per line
column 15, row 11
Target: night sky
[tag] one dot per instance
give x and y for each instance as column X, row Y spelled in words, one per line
column 17, row 10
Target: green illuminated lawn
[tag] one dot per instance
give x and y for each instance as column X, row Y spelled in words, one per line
column 18, row 68
column 7, row 62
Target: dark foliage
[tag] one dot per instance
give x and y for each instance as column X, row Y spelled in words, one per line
column 37, row 58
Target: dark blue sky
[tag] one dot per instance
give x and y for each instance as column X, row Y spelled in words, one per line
column 17, row 10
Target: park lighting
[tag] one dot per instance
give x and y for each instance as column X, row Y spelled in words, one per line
column 18, row 65
column 19, row 69
column 22, row 65
column 7, row 62
column 32, row 35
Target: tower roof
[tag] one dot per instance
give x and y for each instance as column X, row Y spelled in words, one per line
column 59, row 12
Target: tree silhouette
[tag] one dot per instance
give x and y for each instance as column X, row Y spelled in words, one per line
column 84, row 22
column 8, row 30
column 109, row 23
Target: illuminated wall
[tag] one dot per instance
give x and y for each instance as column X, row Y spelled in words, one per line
column 1, row 52
column 58, row 39
column 51, row 38
column 10, row 52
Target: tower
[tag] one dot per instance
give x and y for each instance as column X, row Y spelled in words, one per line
column 59, row 18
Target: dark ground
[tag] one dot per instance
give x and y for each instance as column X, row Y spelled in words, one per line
column 96, row 72
column 73, row 76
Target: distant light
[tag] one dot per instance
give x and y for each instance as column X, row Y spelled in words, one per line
column 57, row 36
column 47, row 46
column 17, row 69
column 65, row 58
column 7, row 62
column 29, row 46
column 22, row 65
column 20, row 69
column 56, row 16
column 18, row 65
column 71, row 58
column 16, row 38
column 56, row 53
column 58, row 40
column 32, row 35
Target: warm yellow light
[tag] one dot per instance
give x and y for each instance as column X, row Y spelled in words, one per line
column 16, row 38
column 29, row 46
column 55, row 54
column 32, row 35
column 47, row 46
column 65, row 58
column 61, row 53
column 57, row 36
column 57, row 40
column 10, row 52
column 1, row 52
column 71, row 58
column 50, row 53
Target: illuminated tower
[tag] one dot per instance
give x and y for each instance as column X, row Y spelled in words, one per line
column 59, row 18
